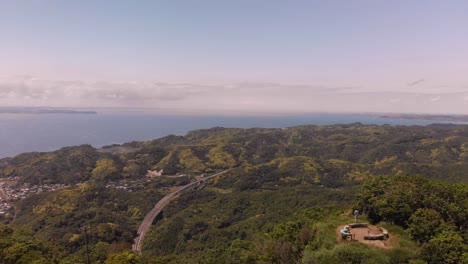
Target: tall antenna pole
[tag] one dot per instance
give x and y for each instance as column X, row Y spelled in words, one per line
column 85, row 228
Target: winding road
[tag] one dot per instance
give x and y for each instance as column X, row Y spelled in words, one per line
column 149, row 218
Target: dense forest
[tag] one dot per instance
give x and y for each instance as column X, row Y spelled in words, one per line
column 286, row 193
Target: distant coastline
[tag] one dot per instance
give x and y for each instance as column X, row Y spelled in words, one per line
column 41, row 130
column 33, row 110
column 443, row 118
column 461, row 119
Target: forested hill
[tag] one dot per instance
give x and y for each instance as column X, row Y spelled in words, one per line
column 336, row 154
column 286, row 193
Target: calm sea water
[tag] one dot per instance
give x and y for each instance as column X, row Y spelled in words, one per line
column 46, row 132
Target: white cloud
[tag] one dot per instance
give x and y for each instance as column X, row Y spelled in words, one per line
column 80, row 93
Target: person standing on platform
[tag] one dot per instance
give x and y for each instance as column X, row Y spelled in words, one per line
column 356, row 216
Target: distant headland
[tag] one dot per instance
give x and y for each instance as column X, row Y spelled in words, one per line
column 41, row 110
column 462, row 119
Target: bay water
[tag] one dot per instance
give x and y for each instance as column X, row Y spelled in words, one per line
column 46, row 132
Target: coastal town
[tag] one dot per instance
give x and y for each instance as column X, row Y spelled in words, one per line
column 11, row 192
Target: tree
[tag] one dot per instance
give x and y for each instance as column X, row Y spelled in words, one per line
column 133, row 169
column 424, row 224
column 189, row 162
column 126, row 257
column 105, row 169
column 355, row 253
column 220, row 159
column 447, row 247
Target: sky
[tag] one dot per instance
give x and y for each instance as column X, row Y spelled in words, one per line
column 262, row 56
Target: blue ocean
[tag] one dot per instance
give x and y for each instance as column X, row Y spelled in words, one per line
column 46, row 132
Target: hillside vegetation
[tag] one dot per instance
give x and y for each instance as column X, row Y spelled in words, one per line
column 288, row 191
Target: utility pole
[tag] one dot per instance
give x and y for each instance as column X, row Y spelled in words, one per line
column 85, row 228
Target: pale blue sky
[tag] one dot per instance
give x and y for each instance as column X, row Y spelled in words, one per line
column 115, row 52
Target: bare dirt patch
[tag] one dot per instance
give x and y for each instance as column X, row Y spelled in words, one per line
column 173, row 188
column 359, row 233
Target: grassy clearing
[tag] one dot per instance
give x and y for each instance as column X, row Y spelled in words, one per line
column 399, row 238
column 218, row 190
column 333, row 221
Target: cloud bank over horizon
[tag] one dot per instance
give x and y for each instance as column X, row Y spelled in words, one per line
column 247, row 97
